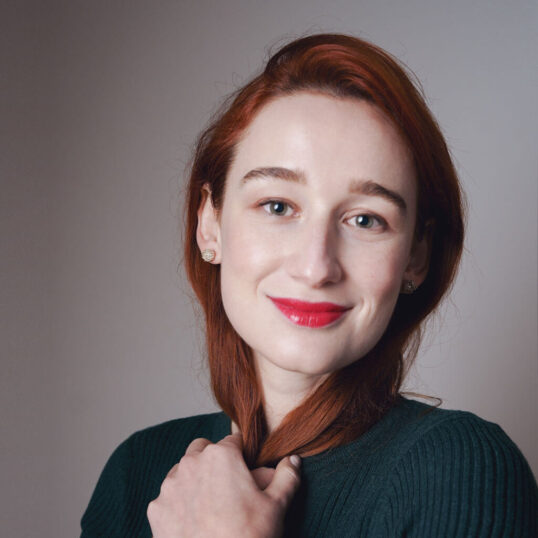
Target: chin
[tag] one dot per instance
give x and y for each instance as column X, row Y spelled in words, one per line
column 307, row 362
column 313, row 370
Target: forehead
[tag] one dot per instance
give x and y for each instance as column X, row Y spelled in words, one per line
column 329, row 137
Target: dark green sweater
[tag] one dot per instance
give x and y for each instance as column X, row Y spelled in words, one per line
column 419, row 471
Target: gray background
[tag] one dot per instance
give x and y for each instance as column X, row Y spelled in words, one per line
column 103, row 102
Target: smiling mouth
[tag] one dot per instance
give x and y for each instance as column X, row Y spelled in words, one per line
column 308, row 314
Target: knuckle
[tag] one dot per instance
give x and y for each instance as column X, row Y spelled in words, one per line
column 215, row 452
column 210, row 449
column 233, row 437
column 166, row 487
column 198, row 442
column 186, row 461
column 173, row 471
column 187, row 466
column 152, row 510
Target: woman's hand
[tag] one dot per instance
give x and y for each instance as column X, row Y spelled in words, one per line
column 211, row 493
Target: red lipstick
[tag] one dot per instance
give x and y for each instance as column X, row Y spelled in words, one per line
column 309, row 314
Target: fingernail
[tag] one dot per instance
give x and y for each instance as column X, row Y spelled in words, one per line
column 295, row 461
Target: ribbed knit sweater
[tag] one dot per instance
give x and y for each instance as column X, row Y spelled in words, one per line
column 420, row 471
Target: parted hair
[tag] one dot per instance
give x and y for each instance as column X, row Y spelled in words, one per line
column 350, row 400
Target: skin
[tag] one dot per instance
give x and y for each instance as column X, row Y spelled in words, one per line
column 315, row 238
column 211, row 492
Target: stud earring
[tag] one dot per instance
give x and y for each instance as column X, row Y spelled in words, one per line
column 208, row 255
column 408, row 287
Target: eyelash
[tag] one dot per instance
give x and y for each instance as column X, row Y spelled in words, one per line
column 266, row 205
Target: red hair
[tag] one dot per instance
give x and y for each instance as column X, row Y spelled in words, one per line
column 352, row 399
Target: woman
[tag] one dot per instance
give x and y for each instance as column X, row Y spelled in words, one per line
column 324, row 225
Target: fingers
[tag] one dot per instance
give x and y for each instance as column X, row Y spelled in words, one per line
column 234, row 441
column 212, row 492
column 263, row 476
column 285, row 481
column 197, row 446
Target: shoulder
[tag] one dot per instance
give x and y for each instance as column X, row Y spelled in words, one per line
column 133, row 474
column 418, row 419
column 444, row 430
column 151, row 452
column 461, row 474
column 176, row 434
column 170, row 439
column 460, row 440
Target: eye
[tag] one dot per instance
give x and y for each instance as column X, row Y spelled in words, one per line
column 366, row 221
column 277, row 208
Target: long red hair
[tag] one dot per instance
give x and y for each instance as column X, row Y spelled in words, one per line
column 350, row 400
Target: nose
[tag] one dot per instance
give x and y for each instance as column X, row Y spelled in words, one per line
column 314, row 259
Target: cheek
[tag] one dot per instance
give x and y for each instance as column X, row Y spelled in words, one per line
column 241, row 250
column 247, row 255
column 380, row 276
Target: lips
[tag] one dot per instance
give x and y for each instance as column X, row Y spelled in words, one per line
column 309, row 314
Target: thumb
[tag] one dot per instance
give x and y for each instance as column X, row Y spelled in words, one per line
column 286, row 480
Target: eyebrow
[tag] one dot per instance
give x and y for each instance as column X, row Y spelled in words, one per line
column 371, row 188
column 276, row 172
column 367, row 187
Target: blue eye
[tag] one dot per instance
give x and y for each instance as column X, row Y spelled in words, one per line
column 366, row 221
column 276, row 207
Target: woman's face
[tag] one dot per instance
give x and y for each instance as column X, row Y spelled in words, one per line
column 315, row 233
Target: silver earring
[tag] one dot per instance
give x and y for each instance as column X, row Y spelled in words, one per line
column 408, row 287
column 208, row 255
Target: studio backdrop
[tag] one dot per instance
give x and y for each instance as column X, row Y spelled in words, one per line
column 102, row 105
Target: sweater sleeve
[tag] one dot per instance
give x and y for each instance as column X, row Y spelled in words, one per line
column 464, row 477
column 109, row 512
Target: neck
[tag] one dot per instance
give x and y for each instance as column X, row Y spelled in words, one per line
column 283, row 390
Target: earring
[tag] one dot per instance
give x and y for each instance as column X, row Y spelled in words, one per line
column 208, row 255
column 408, row 287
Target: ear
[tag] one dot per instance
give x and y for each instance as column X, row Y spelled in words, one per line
column 208, row 230
column 419, row 261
